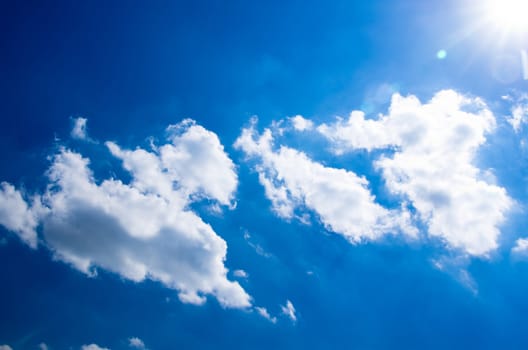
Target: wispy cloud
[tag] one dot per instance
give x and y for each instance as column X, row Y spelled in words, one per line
column 262, row 311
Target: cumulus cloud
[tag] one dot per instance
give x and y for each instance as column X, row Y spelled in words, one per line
column 342, row 200
column 136, row 343
column 431, row 148
column 93, row 347
column 5, row 347
column 289, row 310
column 143, row 229
column 262, row 311
column 43, row 346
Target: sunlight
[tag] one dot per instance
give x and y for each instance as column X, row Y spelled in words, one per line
column 508, row 15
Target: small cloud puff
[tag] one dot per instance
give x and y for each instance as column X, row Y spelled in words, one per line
column 289, row 310
column 79, row 128
column 240, row 274
column 93, row 347
column 519, row 111
column 521, row 247
column 301, row 124
column 136, row 343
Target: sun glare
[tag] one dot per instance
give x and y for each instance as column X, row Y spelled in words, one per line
column 508, row 15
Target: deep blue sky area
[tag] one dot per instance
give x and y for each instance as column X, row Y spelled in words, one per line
column 131, row 68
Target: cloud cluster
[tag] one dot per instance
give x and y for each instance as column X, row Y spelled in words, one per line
column 430, row 162
column 142, row 229
column 145, row 228
column 341, row 199
column 428, row 152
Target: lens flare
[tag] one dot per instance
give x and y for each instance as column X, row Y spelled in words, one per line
column 441, row 54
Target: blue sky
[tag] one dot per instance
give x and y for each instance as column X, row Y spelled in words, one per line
column 299, row 174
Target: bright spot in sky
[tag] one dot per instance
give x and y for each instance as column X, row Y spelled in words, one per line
column 441, row 54
column 508, row 15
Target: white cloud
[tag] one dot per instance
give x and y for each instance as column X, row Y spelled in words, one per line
column 289, row 310
column 521, row 247
column 431, row 148
column 93, row 347
column 79, row 128
column 43, row 346
column 301, row 124
column 17, row 216
column 341, row 199
column 144, row 229
column 5, row 347
column 264, row 313
column 137, row 343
